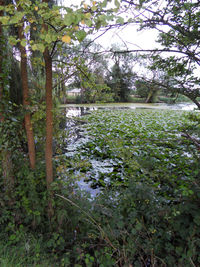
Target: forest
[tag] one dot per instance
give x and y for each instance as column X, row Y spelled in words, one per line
column 116, row 186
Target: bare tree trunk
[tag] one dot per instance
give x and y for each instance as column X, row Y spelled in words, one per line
column 26, row 103
column 49, row 124
column 49, row 117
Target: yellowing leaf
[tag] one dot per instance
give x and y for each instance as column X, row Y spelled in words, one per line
column 94, row 3
column 76, row 28
column 88, row 15
column 31, row 20
column 36, row 8
column 85, row 6
column 66, row 39
column 82, row 22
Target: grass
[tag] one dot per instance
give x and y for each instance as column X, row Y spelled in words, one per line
column 27, row 253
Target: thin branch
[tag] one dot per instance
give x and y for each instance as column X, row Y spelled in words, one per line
column 194, row 140
column 65, row 79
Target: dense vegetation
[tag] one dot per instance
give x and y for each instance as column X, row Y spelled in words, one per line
column 144, row 163
column 147, row 212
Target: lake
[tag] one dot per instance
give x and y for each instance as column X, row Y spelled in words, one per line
column 78, row 137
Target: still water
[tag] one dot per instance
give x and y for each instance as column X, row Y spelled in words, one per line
column 77, row 135
column 80, row 110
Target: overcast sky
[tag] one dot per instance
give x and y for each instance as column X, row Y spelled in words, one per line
column 129, row 34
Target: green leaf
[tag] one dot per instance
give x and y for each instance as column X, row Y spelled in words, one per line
column 104, row 4
column 12, row 40
column 48, row 38
column 4, row 20
column 23, row 42
column 80, row 35
column 120, row 20
column 41, row 47
column 17, row 17
column 69, row 19
column 34, row 47
column 12, row 237
column 94, row 8
column 117, row 3
column 27, row 29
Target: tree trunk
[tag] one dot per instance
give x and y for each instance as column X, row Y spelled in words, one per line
column 49, row 118
column 152, row 96
column 49, row 124
column 26, row 103
column 49, row 127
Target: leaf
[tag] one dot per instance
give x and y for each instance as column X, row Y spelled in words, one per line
column 12, row 40
column 23, row 42
column 117, row 3
column 66, row 39
column 76, row 28
column 27, row 29
column 120, row 20
column 17, row 17
column 12, row 237
column 31, row 20
column 4, row 20
column 48, row 38
column 94, row 8
column 36, row 8
column 88, row 15
column 41, row 47
column 69, row 19
column 80, row 35
column 104, row 4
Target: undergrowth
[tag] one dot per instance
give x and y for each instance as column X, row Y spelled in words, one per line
column 147, row 212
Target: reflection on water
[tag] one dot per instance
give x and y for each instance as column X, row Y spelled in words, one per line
column 81, row 110
column 78, row 111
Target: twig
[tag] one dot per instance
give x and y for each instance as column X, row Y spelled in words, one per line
column 92, row 220
column 194, row 140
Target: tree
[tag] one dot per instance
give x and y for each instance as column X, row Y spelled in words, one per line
column 26, row 102
column 121, row 77
column 54, row 31
column 177, row 24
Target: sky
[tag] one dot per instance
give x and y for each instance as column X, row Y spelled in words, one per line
column 134, row 39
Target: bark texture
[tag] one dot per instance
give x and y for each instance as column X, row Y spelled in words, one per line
column 26, row 103
column 49, row 124
column 49, row 118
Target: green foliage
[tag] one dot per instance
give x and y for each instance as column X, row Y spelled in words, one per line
column 150, row 191
column 180, row 39
column 142, row 88
column 148, row 208
column 121, row 77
